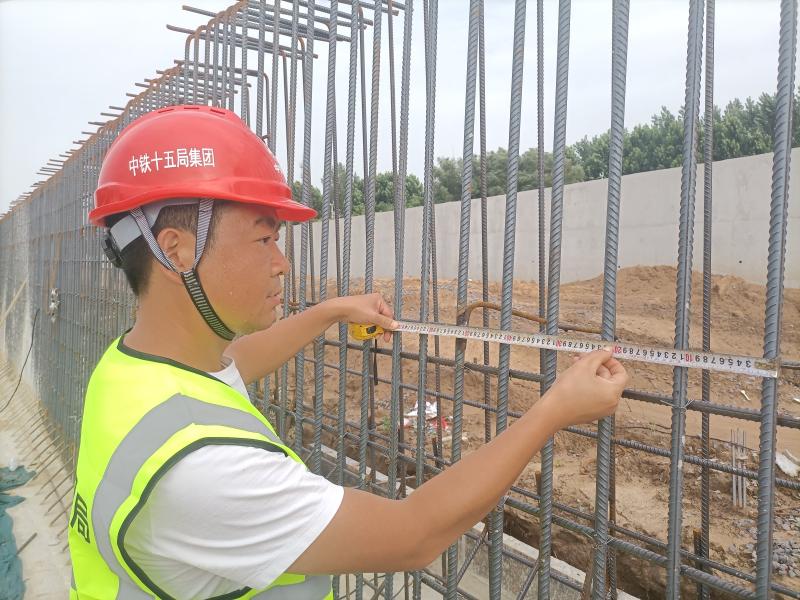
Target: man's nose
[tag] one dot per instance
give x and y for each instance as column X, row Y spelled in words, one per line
column 281, row 264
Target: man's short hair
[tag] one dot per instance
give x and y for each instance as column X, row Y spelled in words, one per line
column 138, row 260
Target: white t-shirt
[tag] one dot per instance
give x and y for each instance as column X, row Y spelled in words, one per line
column 226, row 517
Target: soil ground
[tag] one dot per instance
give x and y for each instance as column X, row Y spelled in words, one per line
column 645, row 315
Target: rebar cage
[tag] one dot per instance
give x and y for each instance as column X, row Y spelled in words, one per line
column 344, row 405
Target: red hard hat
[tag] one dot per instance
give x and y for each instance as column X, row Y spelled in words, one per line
column 191, row 152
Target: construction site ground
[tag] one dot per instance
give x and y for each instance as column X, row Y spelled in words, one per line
column 40, row 520
column 645, row 315
column 645, row 299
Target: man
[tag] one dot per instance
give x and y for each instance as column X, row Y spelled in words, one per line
column 183, row 489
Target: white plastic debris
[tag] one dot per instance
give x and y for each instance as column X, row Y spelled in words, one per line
column 431, row 416
column 430, row 411
column 746, row 397
column 786, row 464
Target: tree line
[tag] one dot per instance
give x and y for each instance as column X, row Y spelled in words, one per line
column 741, row 129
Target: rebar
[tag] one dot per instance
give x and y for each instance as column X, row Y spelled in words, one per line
column 708, row 158
column 351, row 422
column 619, row 53
column 554, row 282
column 463, row 262
column 684, row 293
column 782, row 144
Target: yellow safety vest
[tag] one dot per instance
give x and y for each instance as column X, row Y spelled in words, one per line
column 142, row 415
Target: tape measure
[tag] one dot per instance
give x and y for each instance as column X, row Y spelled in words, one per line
column 730, row 363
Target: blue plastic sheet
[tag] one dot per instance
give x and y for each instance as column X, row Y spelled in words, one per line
column 11, row 585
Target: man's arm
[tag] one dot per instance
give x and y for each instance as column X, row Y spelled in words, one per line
column 373, row 534
column 262, row 353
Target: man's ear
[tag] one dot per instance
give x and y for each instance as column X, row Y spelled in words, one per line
column 178, row 246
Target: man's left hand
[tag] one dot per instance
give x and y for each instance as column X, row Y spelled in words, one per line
column 367, row 309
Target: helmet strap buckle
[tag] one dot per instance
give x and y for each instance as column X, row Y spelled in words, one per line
column 111, row 250
column 191, row 282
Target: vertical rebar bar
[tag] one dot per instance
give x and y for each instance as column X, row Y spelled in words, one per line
column 431, row 12
column 399, row 224
column 299, row 363
column 512, row 179
column 327, row 189
column 245, row 99
column 540, row 155
column 554, row 282
column 215, row 64
column 206, row 64
column 487, row 387
column 684, row 293
column 273, row 117
column 262, row 9
column 463, row 262
column 348, row 212
column 225, row 23
column 619, row 60
column 781, row 160
column 708, row 159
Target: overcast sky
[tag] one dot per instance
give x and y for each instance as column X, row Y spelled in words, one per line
column 62, row 62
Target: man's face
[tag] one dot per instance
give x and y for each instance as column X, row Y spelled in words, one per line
column 241, row 273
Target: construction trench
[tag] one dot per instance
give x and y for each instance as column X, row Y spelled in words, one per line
column 678, row 494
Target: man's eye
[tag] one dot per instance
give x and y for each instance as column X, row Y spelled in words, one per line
column 266, row 240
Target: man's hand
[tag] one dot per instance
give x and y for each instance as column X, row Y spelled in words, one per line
column 263, row 352
column 589, row 390
column 368, row 309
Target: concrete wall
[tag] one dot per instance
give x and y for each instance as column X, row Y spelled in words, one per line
column 648, row 228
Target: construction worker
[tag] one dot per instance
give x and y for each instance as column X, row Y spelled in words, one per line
column 183, row 488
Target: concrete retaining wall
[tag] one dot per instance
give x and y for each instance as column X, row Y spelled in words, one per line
column 648, row 227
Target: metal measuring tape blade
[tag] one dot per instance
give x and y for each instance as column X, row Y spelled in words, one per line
column 712, row 361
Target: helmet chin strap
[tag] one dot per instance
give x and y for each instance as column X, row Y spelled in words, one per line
column 190, row 278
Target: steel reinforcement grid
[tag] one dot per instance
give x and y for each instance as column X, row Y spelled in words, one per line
column 58, row 290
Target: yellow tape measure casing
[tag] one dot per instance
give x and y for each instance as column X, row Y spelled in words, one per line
column 361, row 332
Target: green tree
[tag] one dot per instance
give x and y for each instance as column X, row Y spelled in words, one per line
column 658, row 145
column 341, row 190
column 592, row 154
column 741, row 129
column 745, row 128
column 384, row 191
column 414, row 191
column 316, row 196
column 446, row 180
column 447, row 173
column 496, row 173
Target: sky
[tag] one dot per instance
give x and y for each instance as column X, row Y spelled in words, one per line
column 63, row 62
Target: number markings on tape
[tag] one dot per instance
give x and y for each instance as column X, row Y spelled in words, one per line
column 746, row 365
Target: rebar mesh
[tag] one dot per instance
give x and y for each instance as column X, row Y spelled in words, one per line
column 342, row 404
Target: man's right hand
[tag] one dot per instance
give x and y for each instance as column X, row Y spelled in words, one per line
column 589, row 390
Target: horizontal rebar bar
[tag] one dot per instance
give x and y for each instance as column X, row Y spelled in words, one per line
column 746, row 414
